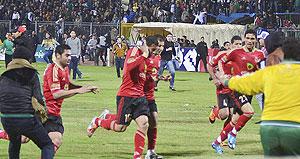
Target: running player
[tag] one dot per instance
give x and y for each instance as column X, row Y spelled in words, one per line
column 151, row 77
column 246, row 60
column 223, row 93
column 131, row 101
column 57, row 87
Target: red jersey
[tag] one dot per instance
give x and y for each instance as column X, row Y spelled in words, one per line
column 244, row 61
column 227, row 68
column 55, row 79
column 153, row 64
column 258, row 55
column 134, row 75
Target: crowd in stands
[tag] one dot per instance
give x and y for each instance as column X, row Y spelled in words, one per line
column 111, row 11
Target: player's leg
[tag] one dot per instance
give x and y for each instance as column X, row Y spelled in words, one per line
column 3, row 135
column 24, row 139
column 55, row 129
column 248, row 112
column 152, row 131
column 57, row 139
column 221, row 111
column 140, row 136
column 140, row 114
column 118, row 122
column 226, row 129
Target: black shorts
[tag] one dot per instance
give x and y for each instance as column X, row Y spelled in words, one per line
column 225, row 101
column 241, row 99
column 131, row 108
column 54, row 124
column 152, row 106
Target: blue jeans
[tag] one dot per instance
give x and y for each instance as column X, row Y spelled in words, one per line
column 31, row 128
column 74, row 66
column 171, row 69
column 48, row 56
column 119, row 65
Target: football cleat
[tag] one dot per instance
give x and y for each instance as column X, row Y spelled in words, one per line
column 103, row 114
column 152, row 155
column 92, row 127
column 231, row 141
column 217, row 148
column 212, row 116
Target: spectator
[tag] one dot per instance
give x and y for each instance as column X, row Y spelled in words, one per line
column 8, row 45
column 119, row 49
column 202, row 52
column 92, row 45
column 75, row 44
column 19, row 86
column 166, row 60
column 49, row 44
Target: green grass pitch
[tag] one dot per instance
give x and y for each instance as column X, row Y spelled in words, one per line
column 183, row 131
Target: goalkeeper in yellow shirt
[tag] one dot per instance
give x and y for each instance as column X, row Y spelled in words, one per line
column 280, row 126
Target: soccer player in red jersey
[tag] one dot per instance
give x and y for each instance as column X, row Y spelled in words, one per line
column 223, row 93
column 131, row 101
column 57, row 87
column 246, row 60
column 153, row 63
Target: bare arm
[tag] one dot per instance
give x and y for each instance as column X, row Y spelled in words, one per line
column 69, row 93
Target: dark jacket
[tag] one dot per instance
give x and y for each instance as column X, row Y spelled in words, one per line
column 202, row 49
column 167, row 55
column 17, row 87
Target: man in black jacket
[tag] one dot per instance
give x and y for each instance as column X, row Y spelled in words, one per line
column 202, row 52
column 19, row 87
column 166, row 60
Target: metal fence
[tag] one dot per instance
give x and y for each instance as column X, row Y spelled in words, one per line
column 56, row 28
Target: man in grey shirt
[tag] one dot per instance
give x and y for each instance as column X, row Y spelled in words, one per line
column 75, row 45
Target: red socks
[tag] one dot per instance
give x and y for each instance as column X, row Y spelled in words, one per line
column 111, row 116
column 4, row 135
column 243, row 119
column 139, row 143
column 105, row 123
column 152, row 135
column 224, row 133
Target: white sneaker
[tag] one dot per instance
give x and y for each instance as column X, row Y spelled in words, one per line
column 92, row 127
column 152, row 155
column 104, row 113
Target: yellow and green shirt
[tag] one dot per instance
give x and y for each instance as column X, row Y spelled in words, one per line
column 281, row 86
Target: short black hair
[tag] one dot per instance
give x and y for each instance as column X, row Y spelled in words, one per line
column 274, row 41
column 236, row 37
column 250, row 31
column 160, row 37
column 225, row 43
column 61, row 48
column 150, row 40
column 291, row 49
column 202, row 37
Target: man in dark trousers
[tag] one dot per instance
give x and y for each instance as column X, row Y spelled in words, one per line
column 19, row 88
column 202, row 51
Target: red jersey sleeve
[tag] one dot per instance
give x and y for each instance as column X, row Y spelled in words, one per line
column 134, row 54
column 53, row 80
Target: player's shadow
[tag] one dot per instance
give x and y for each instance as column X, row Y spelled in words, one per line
column 183, row 79
column 182, row 153
column 83, row 80
column 182, row 90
